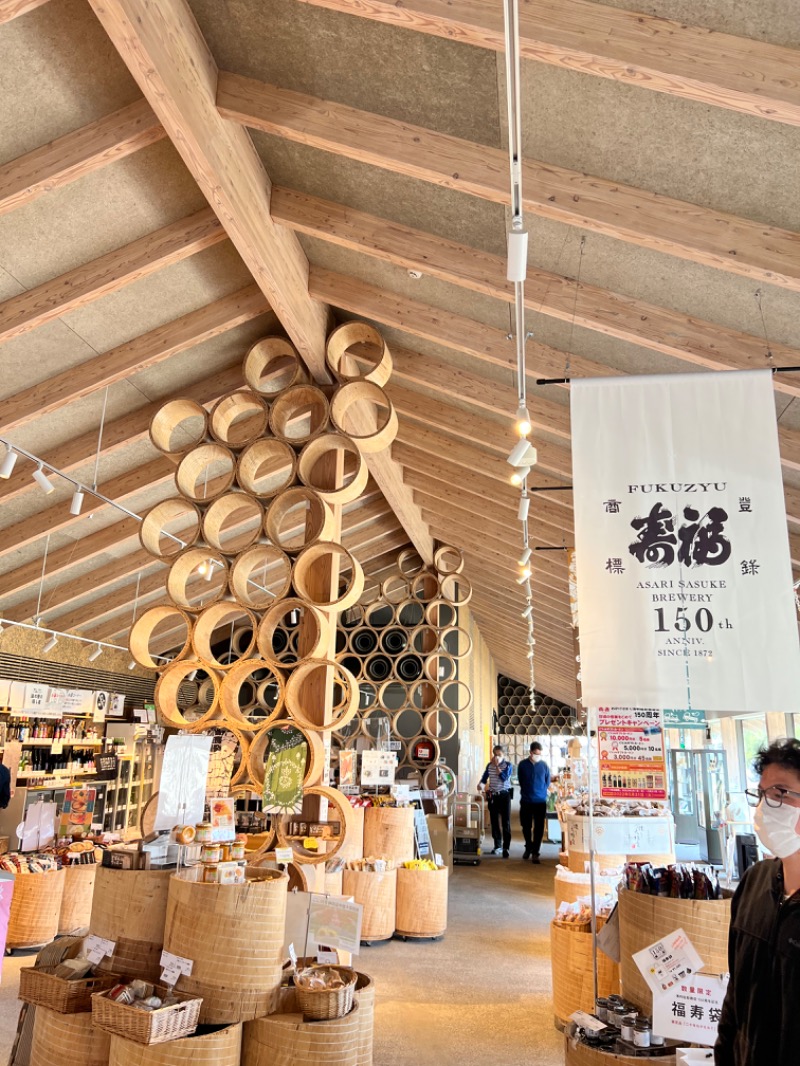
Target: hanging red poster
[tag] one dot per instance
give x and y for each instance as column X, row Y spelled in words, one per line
column 631, row 749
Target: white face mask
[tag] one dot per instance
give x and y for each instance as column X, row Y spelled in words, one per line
column 777, row 829
column 536, row 757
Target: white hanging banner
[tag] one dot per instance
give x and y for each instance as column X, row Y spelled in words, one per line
column 683, row 568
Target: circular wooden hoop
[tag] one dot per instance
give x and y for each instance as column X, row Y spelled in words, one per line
column 434, row 611
column 394, row 640
column 151, row 530
column 272, row 618
column 423, row 634
column 395, row 589
column 432, row 671
column 271, row 366
column 315, row 759
column 402, row 667
column 365, row 392
column 144, row 627
column 372, row 715
column 425, row 763
column 275, row 455
column 378, row 615
column 166, row 695
column 345, row 337
column 463, row 639
column 322, row 447
column 304, row 567
column 363, row 685
column 222, row 510
column 296, row 701
column 378, row 660
column 240, row 774
column 315, row 523
column 422, row 695
column 448, row 560
column 206, row 692
column 288, row 408
column 167, row 421
column 212, row 618
column 189, row 475
column 409, row 563
column 459, row 692
column 457, row 589
column 345, row 810
column 372, row 589
column 431, row 723
column 244, row 790
column 418, row 727
column 229, row 696
column 247, row 589
column 431, row 783
column 419, row 590
column 363, row 640
column 409, row 614
column 183, row 568
column 238, row 418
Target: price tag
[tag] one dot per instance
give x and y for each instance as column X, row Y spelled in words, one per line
column 327, row 958
column 438, row 859
column 97, row 947
column 587, row 1021
column 172, row 967
column 57, row 747
column 284, row 855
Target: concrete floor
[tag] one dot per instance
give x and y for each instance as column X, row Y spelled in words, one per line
column 481, row 994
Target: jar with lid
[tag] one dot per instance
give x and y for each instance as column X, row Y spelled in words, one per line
column 642, row 1032
column 626, row 1027
column 601, row 1008
column 656, row 1039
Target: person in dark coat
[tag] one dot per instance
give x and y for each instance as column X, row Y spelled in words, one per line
column 760, row 1022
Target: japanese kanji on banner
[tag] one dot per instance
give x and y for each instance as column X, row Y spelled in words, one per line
column 631, row 748
column 684, row 575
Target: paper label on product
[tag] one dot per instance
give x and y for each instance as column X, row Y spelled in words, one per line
column 284, row 855
column 438, row 859
column 327, row 958
column 665, row 964
column 57, row 747
column 97, row 947
column 587, row 1021
column 691, row 1010
column 401, row 793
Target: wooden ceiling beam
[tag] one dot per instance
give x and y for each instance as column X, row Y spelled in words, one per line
column 133, row 356
column 551, row 457
column 111, row 272
column 429, row 474
column 766, row 254
column 445, row 500
column 76, row 154
column 11, row 9
column 715, row 69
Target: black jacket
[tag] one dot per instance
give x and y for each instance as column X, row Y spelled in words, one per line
column 5, row 786
column 760, row 1024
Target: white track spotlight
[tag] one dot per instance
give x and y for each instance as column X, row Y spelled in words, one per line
column 524, row 425
column 525, row 557
column 523, row 577
column 50, row 643
column 96, row 653
column 526, row 572
column 77, row 501
column 9, row 461
column 519, row 455
column 530, row 654
column 519, row 476
column 524, row 507
column 43, row 481
column 517, row 266
column 132, row 664
column 192, row 676
column 209, row 570
column 528, row 611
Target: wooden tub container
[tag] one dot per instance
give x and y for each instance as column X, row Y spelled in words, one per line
column 35, row 909
column 219, row 1047
column 573, row 975
column 421, row 902
column 130, row 907
column 288, row 1040
column 353, row 846
column 67, row 1040
column 568, row 891
column 581, row 1055
column 377, row 893
column 389, row 833
column 76, row 904
column 644, row 919
column 364, row 998
column 234, row 934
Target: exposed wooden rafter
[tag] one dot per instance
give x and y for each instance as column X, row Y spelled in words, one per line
column 11, row 9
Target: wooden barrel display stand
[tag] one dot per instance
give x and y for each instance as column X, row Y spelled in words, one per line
column 67, row 1040
column 353, row 847
column 573, row 972
column 288, row 1040
column 377, row 894
column 365, row 999
column 389, row 833
column 421, row 902
column 76, row 904
column 220, row 1048
column 643, row 919
column 35, row 909
column 234, row 934
column 569, row 890
column 581, row 1055
column 130, row 907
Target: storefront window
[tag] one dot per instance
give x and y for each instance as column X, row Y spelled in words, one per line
column 715, row 732
column 754, row 736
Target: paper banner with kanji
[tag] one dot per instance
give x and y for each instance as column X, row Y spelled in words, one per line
column 683, row 568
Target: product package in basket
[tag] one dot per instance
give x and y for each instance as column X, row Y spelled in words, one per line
column 148, row 1024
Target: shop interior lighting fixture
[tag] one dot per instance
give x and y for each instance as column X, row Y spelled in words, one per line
column 132, row 664
column 9, row 462
column 98, row 651
column 50, row 643
column 43, row 481
column 6, row 623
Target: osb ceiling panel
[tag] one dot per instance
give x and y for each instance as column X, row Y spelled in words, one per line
column 768, row 20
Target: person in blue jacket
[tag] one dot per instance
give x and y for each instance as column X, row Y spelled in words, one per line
column 534, row 782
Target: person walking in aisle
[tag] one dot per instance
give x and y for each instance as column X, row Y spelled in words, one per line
column 497, row 782
column 534, row 782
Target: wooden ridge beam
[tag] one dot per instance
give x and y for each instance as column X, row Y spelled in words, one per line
column 111, row 272
column 129, row 358
column 76, row 154
column 663, row 55
column 724, row 241
column 11, row 9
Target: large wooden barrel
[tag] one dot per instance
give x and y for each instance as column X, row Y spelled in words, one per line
column 581, row 1055
column 219, row 1047
column 76, row 903
column 573, row 972
column 353, row 846
column 365, row 999
column 389, row 833
column 570, row 889
column 377, row 894
column 288, row 1040
column 234, row 935
column 67, row 1040
column 643, row 919
column 35, row 907
column 421, row 902
column 130, row 907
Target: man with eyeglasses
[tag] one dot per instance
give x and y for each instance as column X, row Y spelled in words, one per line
column 760, row 1023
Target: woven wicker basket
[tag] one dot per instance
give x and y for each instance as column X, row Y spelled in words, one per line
column 67, row 1040
column 76, row 904
column 143, row 1026
column 35, row 907
column 324, row 1004
column 220, row 1048
column 43, row 988
column 289, row 1040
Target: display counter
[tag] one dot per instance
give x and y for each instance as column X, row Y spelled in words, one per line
column 630, row 838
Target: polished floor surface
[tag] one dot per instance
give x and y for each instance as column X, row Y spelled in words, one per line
column 479, row 996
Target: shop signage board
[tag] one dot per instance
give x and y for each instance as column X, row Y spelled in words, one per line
column 684, row 578
column 378, row 768
column 692, row 1010
column 631, row 753
column 686, row 719
column 666, row 964
column 618, row 836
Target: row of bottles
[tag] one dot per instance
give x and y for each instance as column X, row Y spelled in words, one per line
column 25, row 729
column 43, row 762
